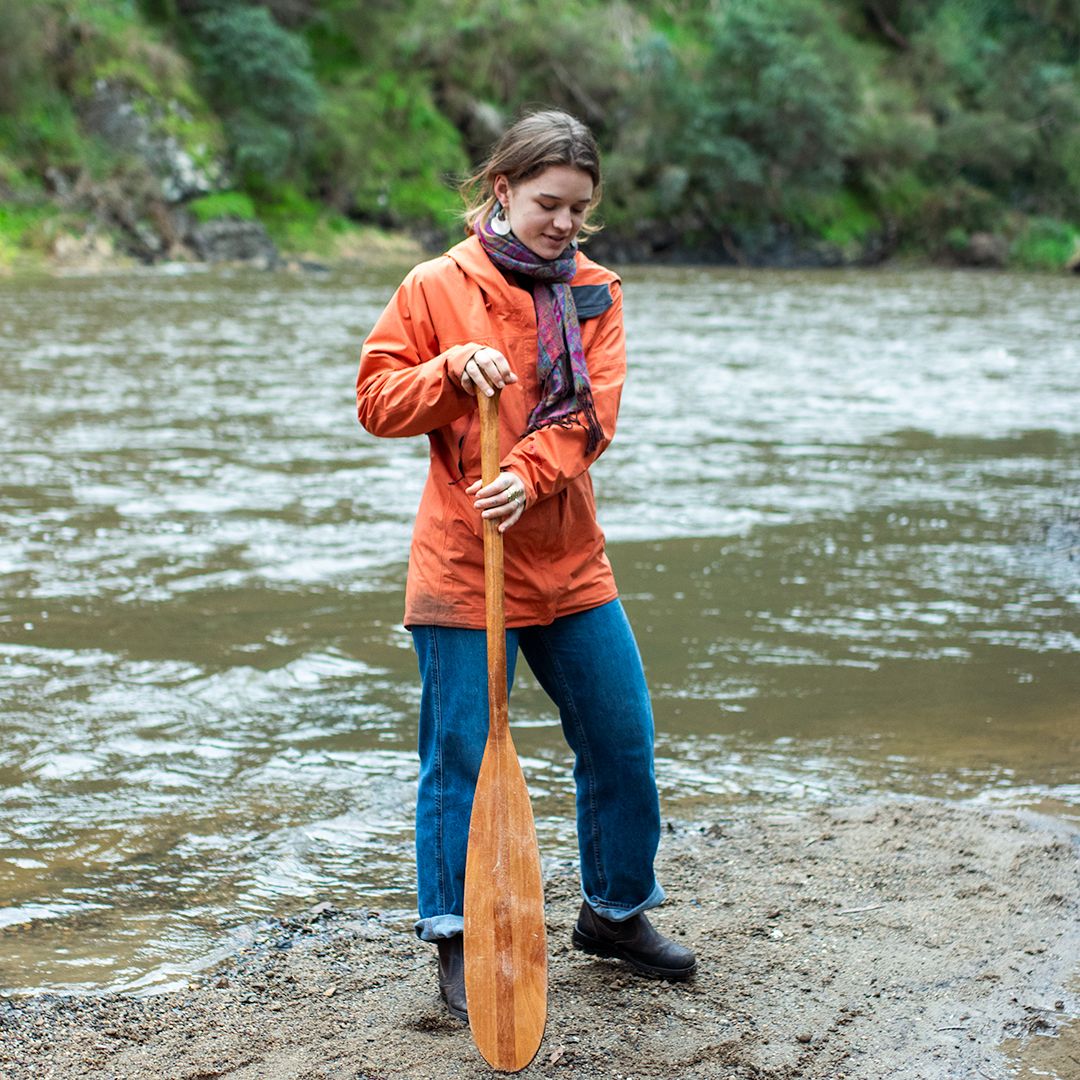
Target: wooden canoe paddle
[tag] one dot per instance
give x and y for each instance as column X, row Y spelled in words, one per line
column 505, row 940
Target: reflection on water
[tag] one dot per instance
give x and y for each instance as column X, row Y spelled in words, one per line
column 843, row 511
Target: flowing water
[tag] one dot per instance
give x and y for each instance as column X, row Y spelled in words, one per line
column 842, row 508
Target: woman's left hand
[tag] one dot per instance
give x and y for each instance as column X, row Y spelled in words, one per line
column 503, row 500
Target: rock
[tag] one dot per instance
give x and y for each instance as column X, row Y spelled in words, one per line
column 92, row 251
column 984, row 249
column 58, row 182
column 232, row 240
column 138, row 124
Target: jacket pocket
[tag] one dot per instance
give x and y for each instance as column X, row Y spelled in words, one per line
column 465, row 445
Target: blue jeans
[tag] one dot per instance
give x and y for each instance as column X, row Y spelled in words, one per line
column 589, row 665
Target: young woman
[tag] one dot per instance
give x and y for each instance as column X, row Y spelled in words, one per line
column 518, row 308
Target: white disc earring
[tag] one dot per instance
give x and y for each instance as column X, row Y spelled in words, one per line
column 500, row 223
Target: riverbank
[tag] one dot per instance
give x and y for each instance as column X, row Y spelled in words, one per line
column 62, row 244
column 64, row 251
column 902, row 939
column 95, row 254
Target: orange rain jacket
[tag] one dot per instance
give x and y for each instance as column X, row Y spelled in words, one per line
column 409, row 384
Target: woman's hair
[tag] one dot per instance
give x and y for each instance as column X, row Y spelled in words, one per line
column 535, row 143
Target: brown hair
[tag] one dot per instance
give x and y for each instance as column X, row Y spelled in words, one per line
column 535, row 143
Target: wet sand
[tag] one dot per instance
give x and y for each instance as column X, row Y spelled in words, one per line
column 900, row 939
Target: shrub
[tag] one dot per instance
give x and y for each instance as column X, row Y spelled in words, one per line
column 839, row 218
column 298, row 224
column 259, row 77
column 22, row 55
column 770, row 107
column 45, row 133
column 384, row 151
column 1044, row 244
column 22, row 227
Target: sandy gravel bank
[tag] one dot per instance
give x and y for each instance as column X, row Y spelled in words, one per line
column 900, row 940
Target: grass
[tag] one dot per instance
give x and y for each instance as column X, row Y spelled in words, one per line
column 840, row 219
column 300, row 226
column 24, row 229
column 1044, row 244
column 223, row 204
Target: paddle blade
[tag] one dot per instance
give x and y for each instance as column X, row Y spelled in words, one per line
column 505, row 939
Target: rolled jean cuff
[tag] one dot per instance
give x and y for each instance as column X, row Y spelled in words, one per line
column 619, row 913
column 439, row 927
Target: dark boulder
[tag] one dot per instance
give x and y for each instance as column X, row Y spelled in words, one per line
column 232, row 240
column 983, row 249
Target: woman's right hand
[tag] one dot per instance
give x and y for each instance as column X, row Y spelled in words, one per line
column 486, row 371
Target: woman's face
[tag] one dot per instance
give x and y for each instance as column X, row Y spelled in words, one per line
column 547, row 210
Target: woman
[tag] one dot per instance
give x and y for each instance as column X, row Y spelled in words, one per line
column 517, row 308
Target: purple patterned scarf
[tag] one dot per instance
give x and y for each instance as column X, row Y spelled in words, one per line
column 565, row 394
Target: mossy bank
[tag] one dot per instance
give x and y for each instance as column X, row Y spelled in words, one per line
column 758, row 132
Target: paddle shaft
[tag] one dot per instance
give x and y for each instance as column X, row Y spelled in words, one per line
column 494, row 574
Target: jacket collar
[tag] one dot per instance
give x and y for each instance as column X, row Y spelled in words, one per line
column 473, row 260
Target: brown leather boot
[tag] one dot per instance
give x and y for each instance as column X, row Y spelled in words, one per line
column 636, row 941
column 452, row 975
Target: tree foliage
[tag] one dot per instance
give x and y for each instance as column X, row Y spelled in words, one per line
column 922, row 121
column 770, row 107
column 258, row 76
column 385, row 152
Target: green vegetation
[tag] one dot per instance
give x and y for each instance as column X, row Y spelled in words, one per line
column 764, row 130
column 1045, row 242
column 17, row 225
column 223, row 204
column 300, row 224
column 258, row 77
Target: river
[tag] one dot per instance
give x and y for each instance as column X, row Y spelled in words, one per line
column 843, row 508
